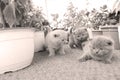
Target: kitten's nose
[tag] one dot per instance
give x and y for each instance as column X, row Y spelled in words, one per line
column 66, row 42
column 97, row 52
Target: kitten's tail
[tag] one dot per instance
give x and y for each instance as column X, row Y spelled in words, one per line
column 90, row 33
column 47, row 30
column 71, row 30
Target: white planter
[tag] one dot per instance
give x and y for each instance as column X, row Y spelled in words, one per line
column 119, row 33
column 16, row 49
column 113, row 32
column 97, row 33
column 39, row 41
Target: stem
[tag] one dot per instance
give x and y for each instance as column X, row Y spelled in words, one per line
column 2, row 17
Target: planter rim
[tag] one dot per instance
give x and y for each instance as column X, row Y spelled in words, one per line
column 17, row 29
column 16, row 35
column 109, row 27
column 97, row 30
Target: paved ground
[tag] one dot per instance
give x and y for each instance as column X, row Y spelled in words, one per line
column 66, row 67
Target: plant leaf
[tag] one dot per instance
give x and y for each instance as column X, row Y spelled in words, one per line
column 1, row 19
column 5, row 1
column 116, row 6
column 9, row 14
column 23, row 2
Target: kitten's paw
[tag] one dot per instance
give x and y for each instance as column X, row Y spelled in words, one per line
column 82, row 60
column 51, row 54
column 107, row 61
column 62, row 53
column 72, row 46
column 85, row 58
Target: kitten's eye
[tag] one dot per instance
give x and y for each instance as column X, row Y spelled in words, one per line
column 109, row 43
column 82, row 34
column 62, row 39
column 78, row 36
column 74, row 33
column 101, row 48
column 93, row 48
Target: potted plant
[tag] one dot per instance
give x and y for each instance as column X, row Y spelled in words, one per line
column 97, row 19
column 18, row 34
column 36, row 20
column 113, row 21
column 39, row 37
column 112, row 31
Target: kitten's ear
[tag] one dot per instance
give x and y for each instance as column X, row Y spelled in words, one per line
column 56, row 35
column 90, row 33
column 71, row 30
column 46, row 30
column 85, row 29
column 68, row 35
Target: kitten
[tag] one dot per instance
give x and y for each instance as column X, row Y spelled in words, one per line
column 99, row 49
column 55, row 41
column 77, row 37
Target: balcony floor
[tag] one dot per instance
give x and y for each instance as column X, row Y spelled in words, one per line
column 66, row 67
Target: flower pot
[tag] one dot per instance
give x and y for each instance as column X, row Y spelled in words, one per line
column 112, row 31
column 39, row 41
column 16, row 49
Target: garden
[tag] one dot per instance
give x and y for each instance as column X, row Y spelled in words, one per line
column 22, row 41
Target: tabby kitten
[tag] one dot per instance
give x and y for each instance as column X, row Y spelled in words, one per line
column 99, row 48
column 77, row 37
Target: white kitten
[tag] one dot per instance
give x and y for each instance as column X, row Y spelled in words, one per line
column 55, row 41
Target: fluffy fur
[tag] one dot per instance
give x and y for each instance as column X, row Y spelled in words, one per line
column 55, row 40
column 77, row 37
column 100, row 49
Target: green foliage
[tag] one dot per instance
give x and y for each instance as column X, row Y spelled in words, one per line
column 9, row 14
column 70, row 16
column 93, row 19
column 35, row 19
column 13, row 11
column 55, row 20
column 75, row 18
column 20, row 13
column 98, row 18
column 116, row 6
